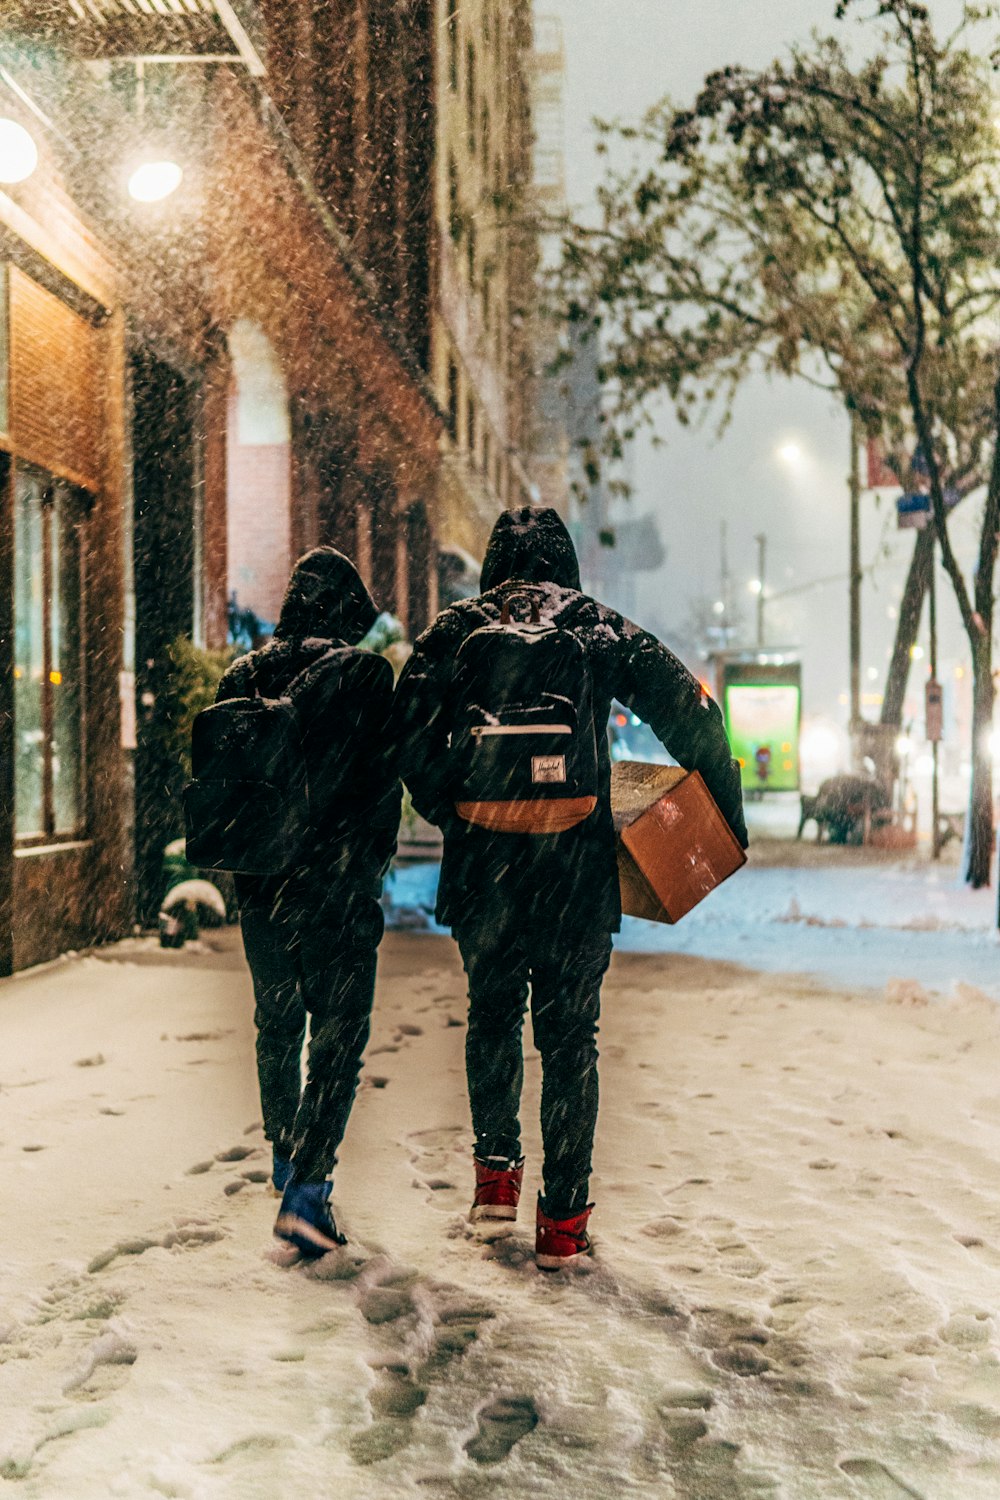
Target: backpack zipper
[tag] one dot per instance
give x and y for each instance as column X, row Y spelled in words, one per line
column 484, row 729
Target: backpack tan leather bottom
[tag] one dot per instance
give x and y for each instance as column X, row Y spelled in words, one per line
column 551, row 815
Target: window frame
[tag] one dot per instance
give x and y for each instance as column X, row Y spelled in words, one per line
column 80, row 500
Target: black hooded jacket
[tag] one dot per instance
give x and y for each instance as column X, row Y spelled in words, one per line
column 573, row 876
column 355, row 814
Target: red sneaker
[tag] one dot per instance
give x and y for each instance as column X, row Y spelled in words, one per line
column 560, row 1240
column 498, row 1188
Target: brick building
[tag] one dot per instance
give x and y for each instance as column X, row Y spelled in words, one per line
column 415, row 118
column 481, row 359
column 193, row 389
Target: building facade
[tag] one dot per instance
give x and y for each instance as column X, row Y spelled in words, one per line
column 481, row 361
column 193, row 389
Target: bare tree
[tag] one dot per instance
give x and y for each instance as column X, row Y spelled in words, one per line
column 836, row 221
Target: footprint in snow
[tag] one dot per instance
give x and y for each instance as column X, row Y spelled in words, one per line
column 396, row 1393
column 739, row 1259
column 876, row 1481
column 436, row 1156
column 187, row 1234
column 430, row 1325
column 385, row 1304
column 110, row 1348
column 501, row 1425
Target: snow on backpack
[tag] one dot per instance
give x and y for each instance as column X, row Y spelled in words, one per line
column 523, row 756
column 247, row 808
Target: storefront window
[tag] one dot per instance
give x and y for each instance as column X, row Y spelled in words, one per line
column 48, row 696
column 65, row 674
column 29, row 658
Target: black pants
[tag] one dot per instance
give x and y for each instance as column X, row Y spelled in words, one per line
column 301, row 971
column 502, row 955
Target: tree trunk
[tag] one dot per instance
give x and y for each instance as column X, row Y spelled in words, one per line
column 910, row 610
column 979, row 828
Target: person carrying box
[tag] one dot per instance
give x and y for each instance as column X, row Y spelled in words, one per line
column 500, row 724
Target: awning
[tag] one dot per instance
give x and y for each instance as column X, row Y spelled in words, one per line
column 149, row 30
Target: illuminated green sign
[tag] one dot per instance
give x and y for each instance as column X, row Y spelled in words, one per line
column 762, row 721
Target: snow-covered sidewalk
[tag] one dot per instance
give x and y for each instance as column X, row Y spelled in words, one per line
column 794, row 1294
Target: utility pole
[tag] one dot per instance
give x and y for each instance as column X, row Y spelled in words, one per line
column 855, row 582
column 933, row 713
column 761, row 541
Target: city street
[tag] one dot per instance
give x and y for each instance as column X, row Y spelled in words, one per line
column 794, row 1290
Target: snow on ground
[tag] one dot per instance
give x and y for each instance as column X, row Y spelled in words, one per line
column 794, row 1295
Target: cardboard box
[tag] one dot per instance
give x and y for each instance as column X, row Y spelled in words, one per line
column 674, row 845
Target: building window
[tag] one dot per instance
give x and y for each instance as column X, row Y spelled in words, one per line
column 453, row 399
column 470, row 94
column 470, row 428
column 454, row 204
column 453, row 46
column 48, row 656
column 472, row 247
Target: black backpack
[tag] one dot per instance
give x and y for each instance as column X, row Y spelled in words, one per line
column 247, row 808
column 523, row 753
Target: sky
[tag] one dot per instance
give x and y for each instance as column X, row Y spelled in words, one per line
column 621, row 57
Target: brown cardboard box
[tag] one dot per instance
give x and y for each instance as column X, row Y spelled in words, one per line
column 674, row 846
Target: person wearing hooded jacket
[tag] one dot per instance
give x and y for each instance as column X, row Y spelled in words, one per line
column 540, row 909
column 310, row 934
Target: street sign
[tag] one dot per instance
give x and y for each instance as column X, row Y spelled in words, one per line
column 934, row 710
column 913, row 512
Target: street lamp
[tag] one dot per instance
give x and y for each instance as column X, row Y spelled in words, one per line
column 152, row 181
column 18, row 153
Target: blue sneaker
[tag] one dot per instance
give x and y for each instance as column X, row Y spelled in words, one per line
column 281, row 1170
column 305, row 1219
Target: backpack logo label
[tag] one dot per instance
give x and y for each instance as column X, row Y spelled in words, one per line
column 548, row 768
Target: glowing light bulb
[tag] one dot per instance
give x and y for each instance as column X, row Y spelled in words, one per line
column 18, row 152
column 155, row 180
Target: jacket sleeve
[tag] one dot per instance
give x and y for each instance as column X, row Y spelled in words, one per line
column 421, row 722
column 654, row 683
column 236, row 680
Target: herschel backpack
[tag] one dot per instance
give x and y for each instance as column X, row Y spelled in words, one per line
column 523, row 756
column 247, row 808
